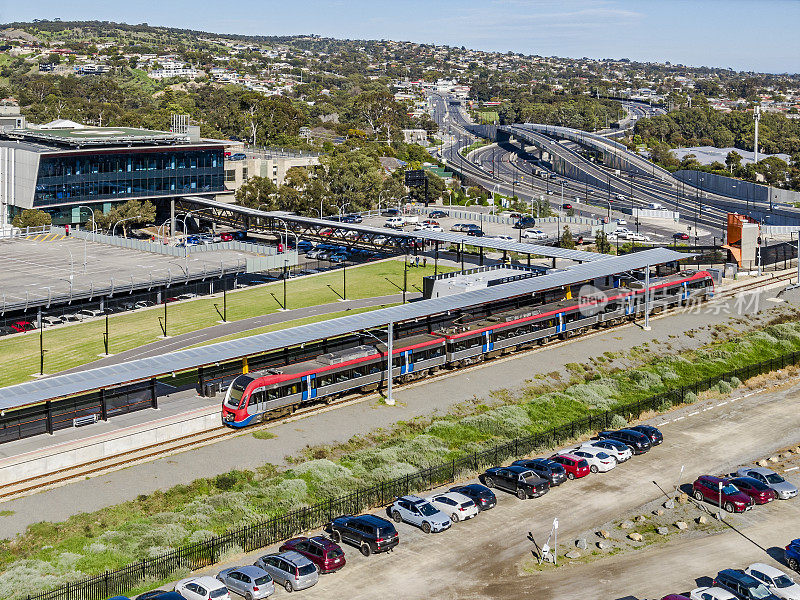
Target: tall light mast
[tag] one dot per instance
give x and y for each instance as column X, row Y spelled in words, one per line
column 757, row 118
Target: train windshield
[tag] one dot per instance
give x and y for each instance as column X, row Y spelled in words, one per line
column 236, row 391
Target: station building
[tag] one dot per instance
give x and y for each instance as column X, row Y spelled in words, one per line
column 63, row 166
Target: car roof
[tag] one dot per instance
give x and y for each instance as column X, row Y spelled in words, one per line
column 375, row 520
column 293, row 557
column 738, row 575
column 766, row 569
column 759, row 470
column 517, row 468
column 205, row 581
column 718, row 592
column 249, row 570
column 569, row 455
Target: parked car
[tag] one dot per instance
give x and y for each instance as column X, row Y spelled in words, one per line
column 523, row 222
column 711, row 593
column 575, row 466
column 187, row 296
column 437, row 214
column 394, row 222
column 87, row 313
column 419, row 512
column 225, row 237
column 327, row 555
column 250, row 581
column 621, row 222
column 460, row 227
column 777, row 582
column 674, row 597
column 545, row 468
column 292, row 570
column 202, row 588
column 143, row 304
column 718, row 491
column 482, row 496
column 761, row 493
column 534, row 234
column 638, row 442
column 368, row 533
column 616, row 450
column 352, row 218
column 7, row 330
column 304, row 246
column 791, row 555
column 458, row 506
column 743, row 585
column 680, row 236
column 784, row 489
column 516, row 480
column 638, row 237
column 22, row 326
column 47, row 322
column 240, row 236
column 475, row 232
column 391, row 212
column 237, row 156
column 655, row 435
column 155, row 595
column 566, row 206
column 338, row 257
column 599, row 460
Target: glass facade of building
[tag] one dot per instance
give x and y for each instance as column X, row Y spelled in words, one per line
column 121, row 173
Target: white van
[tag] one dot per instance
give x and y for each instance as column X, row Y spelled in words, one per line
column 395, row 222
column 654, row 206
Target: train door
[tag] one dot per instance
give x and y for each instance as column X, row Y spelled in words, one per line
column 684, row 291
column 488, row 344
column 309, row 387
column 560, row 325
column 629, row 308
column 407, row 362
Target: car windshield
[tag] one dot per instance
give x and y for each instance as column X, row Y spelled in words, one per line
column 730, row 489
column 335, row 554
column 760, row 592
column 783, row 581
column 426, row 509
column 600, row 455
column 219, row 593
column 775, row 478
column 582, row 463
column 263, row 580
column 307, row 569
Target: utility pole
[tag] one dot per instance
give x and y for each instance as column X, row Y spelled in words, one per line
column 757, row 119
column 41, row 346
column 390, row 364
column 105, row 336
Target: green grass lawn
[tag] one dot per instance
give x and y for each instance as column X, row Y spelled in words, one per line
column 78, row 344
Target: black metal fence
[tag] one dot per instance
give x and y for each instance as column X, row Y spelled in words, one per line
column 259, row 535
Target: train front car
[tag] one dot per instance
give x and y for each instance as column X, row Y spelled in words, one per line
column 234, row 407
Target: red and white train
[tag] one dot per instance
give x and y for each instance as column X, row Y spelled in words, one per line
column 258, row 396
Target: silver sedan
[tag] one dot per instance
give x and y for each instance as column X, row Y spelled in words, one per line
column 249, row 581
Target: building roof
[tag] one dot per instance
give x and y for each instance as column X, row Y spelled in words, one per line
column 67, row 134
column 59, row 386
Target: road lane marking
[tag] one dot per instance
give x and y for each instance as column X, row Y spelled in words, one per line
column 722, row 403
column 697, row 412
column 791, row 469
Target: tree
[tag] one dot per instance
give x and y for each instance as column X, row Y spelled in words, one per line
column 133, row 212
column 257, row 191
column 602, row 243
column 32, row 218
column 566, row 239
column 733, row 160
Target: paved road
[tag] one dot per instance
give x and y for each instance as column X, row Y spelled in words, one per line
column 425, row 398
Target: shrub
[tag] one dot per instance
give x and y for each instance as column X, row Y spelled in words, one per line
column 724, row 387
column 600, row 394
column 735, row 382
column 645, row 379
column 690, row 398
column 618, row 422
column 505, row 421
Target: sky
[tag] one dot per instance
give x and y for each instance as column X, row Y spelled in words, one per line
column 750, row 35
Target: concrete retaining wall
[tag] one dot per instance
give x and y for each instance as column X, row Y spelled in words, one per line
column 98, row 447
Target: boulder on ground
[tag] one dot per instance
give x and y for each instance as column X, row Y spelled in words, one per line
column 573, row 554
column 662, row 530
column 604, row 534
column 681, row 525
column 636, row 537
column 658, row 512
column 625, row 525
column 581, row 543
column 669, row 504
column 603, row 545
column 702, row 519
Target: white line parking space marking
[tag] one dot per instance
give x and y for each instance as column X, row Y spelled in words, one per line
column 722, row 403
column 678, row 419
column 791, row 469
column 691, row 414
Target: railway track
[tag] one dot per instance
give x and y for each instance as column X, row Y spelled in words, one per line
column 201, row 438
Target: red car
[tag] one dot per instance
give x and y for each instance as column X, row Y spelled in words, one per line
column 680, row 236
column 324, row 553
column 566, row 206
column 226, row 237
column 430, row 222
column 575, row 466
column 23, row 326
column 708, row 487
column 327, row 231
column 760, row 492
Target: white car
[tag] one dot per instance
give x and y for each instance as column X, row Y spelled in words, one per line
column 778, row 582
column 534, row 234
column 616, row 450
column 621, row 222
column 599, row 460
column 711, row 593
column 638, row 237
column 506, row 238
column 622, row 231
column 458, row 506
column 202, row 588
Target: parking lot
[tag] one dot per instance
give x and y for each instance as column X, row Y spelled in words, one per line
column 486, row 556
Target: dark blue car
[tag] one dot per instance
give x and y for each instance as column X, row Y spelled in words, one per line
column 792, row 555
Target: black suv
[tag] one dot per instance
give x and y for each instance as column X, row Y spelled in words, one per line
column 524, row 223
column 638, row 442
column 437, row 214
column 517, row 480
column 655, row 435
column 482, row 496
column 742, row 585
column 544, row 468
column 366, row 532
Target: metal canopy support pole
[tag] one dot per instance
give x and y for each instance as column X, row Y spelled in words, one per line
column 153, row 396
column 481, row 252
column 49, row 413
column 171, row 217
column 436, row 259
column 389, row 365
column 103, row 406
column 798, row 258
column 647, row 298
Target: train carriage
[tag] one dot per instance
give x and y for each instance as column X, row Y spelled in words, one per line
column 253, row 397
